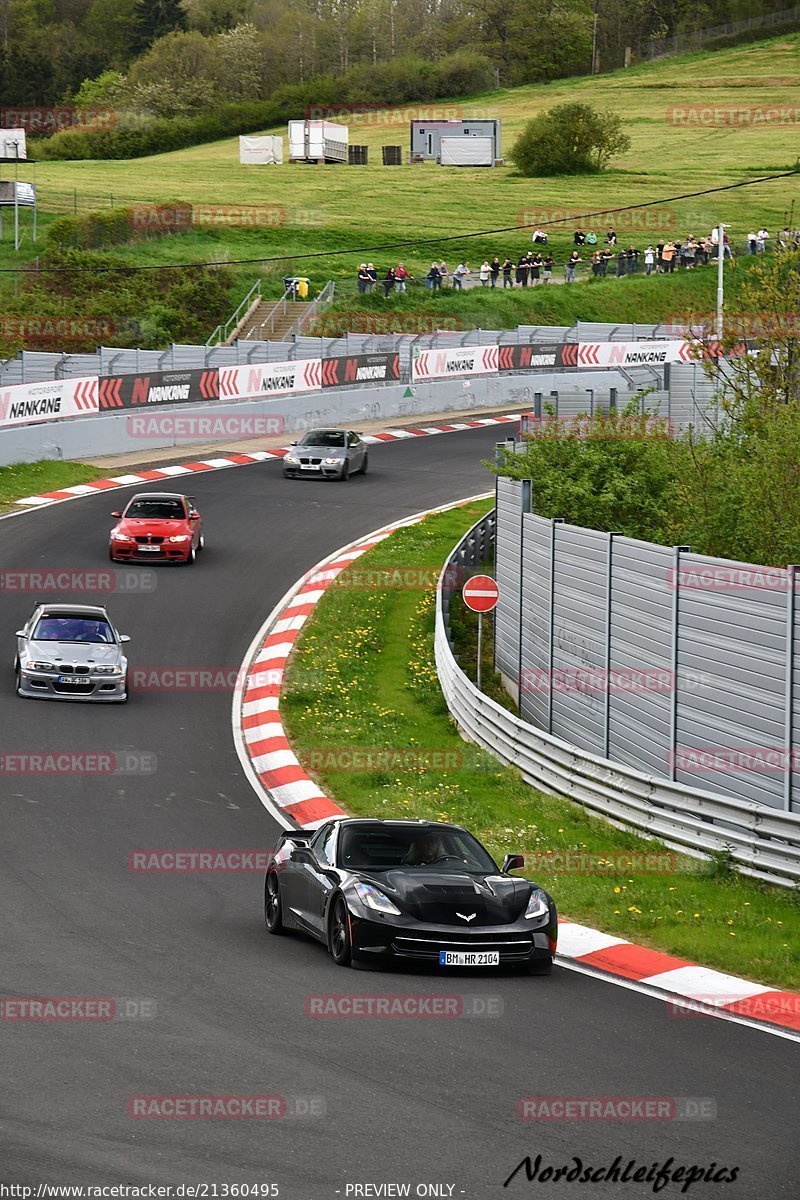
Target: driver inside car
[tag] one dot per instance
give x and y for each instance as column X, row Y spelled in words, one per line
column 426, row 850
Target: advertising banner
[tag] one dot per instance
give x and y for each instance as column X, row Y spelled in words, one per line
column 627, row 354
column 526, row 358
column 270, row 379
column 159, row 387
column 26, row 403
column 360, row 368
column 466, row 360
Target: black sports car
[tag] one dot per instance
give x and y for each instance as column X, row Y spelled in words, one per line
column 377, row 892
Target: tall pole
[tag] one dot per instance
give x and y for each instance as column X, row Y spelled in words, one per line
column 720, row 279
column 480, row 650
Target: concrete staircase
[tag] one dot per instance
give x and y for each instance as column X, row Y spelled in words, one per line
column 277, row 327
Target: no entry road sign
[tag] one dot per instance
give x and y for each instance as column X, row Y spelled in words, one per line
column 480, row 593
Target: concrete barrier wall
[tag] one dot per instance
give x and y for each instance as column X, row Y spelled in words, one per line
column 116, row 432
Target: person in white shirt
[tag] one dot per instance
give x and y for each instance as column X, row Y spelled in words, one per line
column 761, row 240
column 649, row 260
column 484, row 273
column 752, row 242
column 460, row 274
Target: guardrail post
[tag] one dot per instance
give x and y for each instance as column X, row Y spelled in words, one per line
column 791, row 574
column 551, row 590
column 609, row 593
column 673, row 708
column 537, row 405
column 526, row 502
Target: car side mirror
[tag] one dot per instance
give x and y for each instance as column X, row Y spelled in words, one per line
column 513, row 862
column 116, row 514
column 123, row 637
column 194, row 516
column 21, row 633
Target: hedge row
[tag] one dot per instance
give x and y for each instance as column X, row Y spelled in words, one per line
column 399, row 83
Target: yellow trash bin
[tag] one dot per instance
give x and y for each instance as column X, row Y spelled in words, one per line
column 302, row 287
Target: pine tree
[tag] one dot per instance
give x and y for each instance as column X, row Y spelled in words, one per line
column 154, row 18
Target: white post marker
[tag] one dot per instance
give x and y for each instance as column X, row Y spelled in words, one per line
column 480, row 594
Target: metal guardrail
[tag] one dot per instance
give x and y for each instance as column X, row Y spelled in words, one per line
column 763, row 842
column 223, row 332
column 325, row 297
column 261, row 332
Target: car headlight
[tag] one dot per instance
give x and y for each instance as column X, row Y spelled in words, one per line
column 332, row 462
column 180, row 537
column 291, row 458
column 39, row 666
column 372, row 897
column 107, row 670
column 537, row 905
column 121, row 537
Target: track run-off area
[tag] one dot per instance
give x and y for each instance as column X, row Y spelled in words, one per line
column 206, row 1004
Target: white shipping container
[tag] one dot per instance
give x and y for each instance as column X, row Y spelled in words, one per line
column 325, row 139
column 12, row 143
column 467, row 152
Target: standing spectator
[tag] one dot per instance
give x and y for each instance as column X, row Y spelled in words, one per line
column 726, row 246
column 688, row 251
column 363, row 278
column 495, row 271
column 668, row 257
column 761, row 240
column 433, row 279
column 443, row 271
column 548, row 265
column 484, row 272
column 605, row 258
column 373, row 276
column 596, row 264
column 622, row 263
column 633, row 260
column 572, row 262
column 536, row 266
column 649, row 260
column 508, row 267
column 524, row 269
column 400, row 277
column 611, row 237
column 752, row 242
column 660, row 257
column 460, row 274
column 388, row 282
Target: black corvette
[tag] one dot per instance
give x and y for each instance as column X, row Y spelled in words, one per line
column 380, row 892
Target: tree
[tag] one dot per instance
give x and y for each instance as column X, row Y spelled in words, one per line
column 155, row 18
column 570, row 139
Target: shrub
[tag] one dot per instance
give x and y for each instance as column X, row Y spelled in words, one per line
column 570, row 139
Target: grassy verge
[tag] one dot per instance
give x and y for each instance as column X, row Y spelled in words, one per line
column 363, row 680
column 32, row 479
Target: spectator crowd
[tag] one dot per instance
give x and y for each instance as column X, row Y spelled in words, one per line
column 662, row 257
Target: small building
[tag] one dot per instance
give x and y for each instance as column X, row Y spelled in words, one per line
column 426, row 136
column 318, row 141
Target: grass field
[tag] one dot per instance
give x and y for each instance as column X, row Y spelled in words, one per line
column 32, row 479
column 363, row 678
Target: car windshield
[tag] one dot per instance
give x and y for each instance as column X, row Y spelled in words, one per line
column 322, row 437
column 384, row 847
column 73, row 629
column 156, row 510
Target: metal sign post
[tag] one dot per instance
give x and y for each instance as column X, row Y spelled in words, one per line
column 480, row 594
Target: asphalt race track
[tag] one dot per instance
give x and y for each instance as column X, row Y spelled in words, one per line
column 416, row 1101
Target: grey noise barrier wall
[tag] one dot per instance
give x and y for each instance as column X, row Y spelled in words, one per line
column 610, row 752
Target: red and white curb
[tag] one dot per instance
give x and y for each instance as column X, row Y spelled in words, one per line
column 243, row 460
column 293, row 798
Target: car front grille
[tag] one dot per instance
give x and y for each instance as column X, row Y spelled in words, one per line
column 312, row 462
column 149, row 540
column 78, row 669
column 512, row 947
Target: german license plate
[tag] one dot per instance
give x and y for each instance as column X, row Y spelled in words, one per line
column 469, row 958
column 148, row 549
column 74, row 680
column 310, row 467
